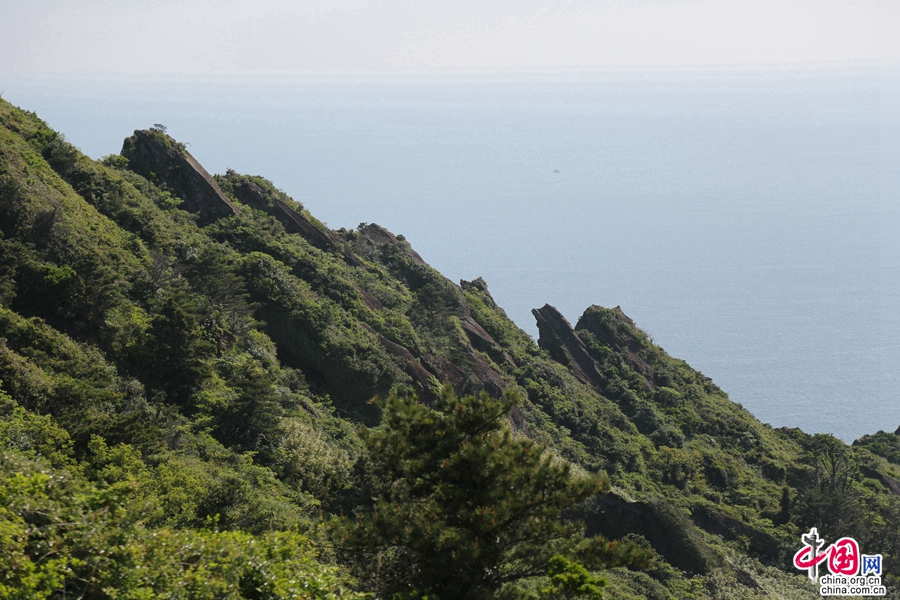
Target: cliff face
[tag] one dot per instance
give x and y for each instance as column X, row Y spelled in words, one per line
column 158, row 157
column 559, row 339
column 164, row 161
column 615, row 330
column 290, row 215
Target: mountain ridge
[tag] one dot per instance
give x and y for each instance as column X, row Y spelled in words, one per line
column 210, row 322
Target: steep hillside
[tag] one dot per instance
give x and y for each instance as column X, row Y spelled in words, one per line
column 187, row 361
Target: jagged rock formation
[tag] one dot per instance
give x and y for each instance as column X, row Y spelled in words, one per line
column 161, row 159
column 480, row 285
column 559, row 339
column 665, row 526
column 379, row 237
column 481, row 340
column 423, row 378
column 473, row 374
column 288, row 214
column 614, row 329
column 719, row 523
column 886, row 480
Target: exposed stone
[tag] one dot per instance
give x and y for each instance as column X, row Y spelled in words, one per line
column 667, row 528
column 746, row 579
column 476, row 284
column 293, row 221
column 480, row 285
column 164, row 161
column 517, row 418
column 379, row 236
column 369, row 299
column 420, row 375
column 558, row 338
column 482, row 340
column 476, row 377
column 886, row 480
column 484, row 377
column 730, row 528
column 613, row 328
column 446, row 371
column 788, row 430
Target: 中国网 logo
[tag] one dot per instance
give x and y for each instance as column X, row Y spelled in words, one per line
column 850, row 573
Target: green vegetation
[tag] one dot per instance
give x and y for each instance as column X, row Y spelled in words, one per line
column 469, row 509
column 63, row 536
column 186, row 411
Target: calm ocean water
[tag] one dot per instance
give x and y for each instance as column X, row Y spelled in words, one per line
column 748, row 220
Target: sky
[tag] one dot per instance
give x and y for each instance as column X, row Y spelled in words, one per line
column 230, row 37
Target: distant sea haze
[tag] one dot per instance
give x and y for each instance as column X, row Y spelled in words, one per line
column 748, row 220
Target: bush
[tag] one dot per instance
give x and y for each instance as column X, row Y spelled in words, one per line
column 60, row 537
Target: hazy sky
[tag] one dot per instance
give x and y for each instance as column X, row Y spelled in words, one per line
column 169, row 37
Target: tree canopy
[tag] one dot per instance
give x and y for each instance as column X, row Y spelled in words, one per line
column 469, row 508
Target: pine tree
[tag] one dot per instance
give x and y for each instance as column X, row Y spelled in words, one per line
column 469, row 507
column 176, row 353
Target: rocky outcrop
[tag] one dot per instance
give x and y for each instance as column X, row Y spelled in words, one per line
column 293, row 221
column 164, row 161
column 368, row 297
column 668, row 529
column 481, row 340
column 746, row 579
column 378, row 236
column 730, row 528
column 480, row 285
column 470, row 375
column 613, row 328
column 474, row 376
column 517, row 419
column 886, row 480
column 471, row 368
column 419, row 374
column 558, row 338
column 483, row 376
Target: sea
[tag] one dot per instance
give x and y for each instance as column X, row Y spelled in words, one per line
column 747, row 219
